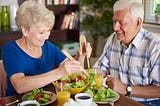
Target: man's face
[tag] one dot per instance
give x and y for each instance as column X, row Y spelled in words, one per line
column 125, row 28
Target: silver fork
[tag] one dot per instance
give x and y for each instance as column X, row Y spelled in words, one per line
column 8, row 104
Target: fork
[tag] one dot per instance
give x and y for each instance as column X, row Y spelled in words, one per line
column 11, row 103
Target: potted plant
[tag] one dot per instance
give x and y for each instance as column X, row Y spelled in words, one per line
column 96, row 19
column 157, row 13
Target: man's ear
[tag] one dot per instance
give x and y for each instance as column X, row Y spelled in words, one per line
column 139, row 22
column 24, row 31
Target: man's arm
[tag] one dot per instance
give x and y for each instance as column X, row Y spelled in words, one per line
column 149, row 91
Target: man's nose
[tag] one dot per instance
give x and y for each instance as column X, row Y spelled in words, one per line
column 116, row 26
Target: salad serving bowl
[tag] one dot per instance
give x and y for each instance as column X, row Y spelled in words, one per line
column 77, row 90
column 76, row 83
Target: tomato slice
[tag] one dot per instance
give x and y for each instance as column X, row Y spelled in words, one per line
column 39, row 95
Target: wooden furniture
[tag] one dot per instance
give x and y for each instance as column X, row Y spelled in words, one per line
column 123, row 100
column 3, row 80
column 57, row 34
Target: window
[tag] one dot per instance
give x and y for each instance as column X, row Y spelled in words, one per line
column 149, row 7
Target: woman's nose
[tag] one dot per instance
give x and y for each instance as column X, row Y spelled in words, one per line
column 46, row 36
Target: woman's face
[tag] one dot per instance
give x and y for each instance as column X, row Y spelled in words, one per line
column 125, row 28
column 37, row 34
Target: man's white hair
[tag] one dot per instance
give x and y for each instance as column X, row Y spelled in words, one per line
column 136, row 9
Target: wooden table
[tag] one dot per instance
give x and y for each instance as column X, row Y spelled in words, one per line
column 123, row 100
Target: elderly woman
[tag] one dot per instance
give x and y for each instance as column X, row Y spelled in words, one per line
column 30, row 61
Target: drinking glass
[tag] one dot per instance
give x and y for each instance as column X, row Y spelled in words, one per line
column 63, row 94
column 98, row 77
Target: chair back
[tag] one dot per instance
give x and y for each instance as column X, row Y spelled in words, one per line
column 3, row 79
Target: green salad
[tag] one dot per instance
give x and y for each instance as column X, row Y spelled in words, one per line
column 99, row 95
column 80, row 80
column 74, row 81
column 39, row 95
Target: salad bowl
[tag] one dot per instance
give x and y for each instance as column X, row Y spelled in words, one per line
column 77, row 90
column 76, row 83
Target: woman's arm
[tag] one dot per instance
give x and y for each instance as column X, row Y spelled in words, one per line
column 18, row 80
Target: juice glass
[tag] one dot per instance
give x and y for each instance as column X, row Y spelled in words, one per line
column 63, row 94
column 62, row 97
column 98, row 77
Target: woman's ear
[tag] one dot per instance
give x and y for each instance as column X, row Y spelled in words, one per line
column 24, row 31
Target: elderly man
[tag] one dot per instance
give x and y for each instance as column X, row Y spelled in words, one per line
column 132, row 55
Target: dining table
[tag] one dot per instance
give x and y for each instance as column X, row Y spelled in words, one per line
column 122, row 101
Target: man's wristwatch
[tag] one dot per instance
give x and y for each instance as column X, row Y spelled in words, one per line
column 129, row 89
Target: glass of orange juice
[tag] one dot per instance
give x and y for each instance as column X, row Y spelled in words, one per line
column 98, row 77
column 63, row 94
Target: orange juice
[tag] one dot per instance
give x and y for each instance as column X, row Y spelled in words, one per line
column 98, row 80
column 62, row 97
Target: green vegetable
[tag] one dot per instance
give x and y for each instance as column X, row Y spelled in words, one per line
column 91, row 79
column 100, row 95
column 110, row 93
column 74, row 81
column 65, row 78
column 78, row 84
column 91, row 72
column 39, row 95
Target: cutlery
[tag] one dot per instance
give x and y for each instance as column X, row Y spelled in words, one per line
column 11, row 103
column 71, row 58
column 82, row 40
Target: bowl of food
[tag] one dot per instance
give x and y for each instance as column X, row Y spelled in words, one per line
column 76, row 83
column 77, row 90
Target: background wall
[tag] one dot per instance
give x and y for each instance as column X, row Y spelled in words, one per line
column 152, row 27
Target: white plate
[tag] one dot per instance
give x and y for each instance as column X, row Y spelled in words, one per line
column 110, row 100
column 53, row 98
column 94, row 104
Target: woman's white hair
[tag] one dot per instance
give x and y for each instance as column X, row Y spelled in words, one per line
column 136, row 9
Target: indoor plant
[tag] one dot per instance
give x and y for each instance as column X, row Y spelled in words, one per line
column 96, row 19
column 157, row 13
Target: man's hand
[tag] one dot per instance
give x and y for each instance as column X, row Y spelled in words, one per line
column 116, row 85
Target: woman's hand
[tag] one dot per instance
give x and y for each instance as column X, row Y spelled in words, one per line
column 70, row 66
column 83, row 51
